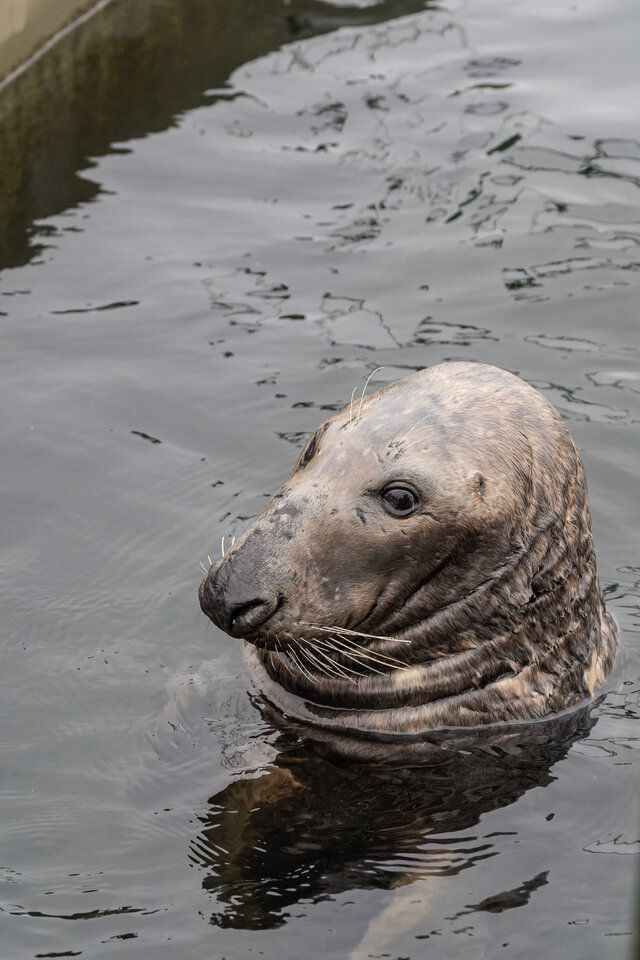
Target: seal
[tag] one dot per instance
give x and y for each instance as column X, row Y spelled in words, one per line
column 429, row 563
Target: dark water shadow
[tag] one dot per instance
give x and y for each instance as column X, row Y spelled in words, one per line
column 310, row 827
column 129, row 71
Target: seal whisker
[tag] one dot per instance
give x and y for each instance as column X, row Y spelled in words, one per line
column 360, row 652
column 222, row 546
column 354, row 633
column 368, row 636
column 396, row 442
column 298, row 655
column 353, row 393
column 319, row 666
column 333, row 670
column 340, row 671
column 359, row 657
column 331, row 640
column 283, row 656
column 298, row 662
column 407, row 446
column 202, row 567
column 364, row 390
column 284, row 659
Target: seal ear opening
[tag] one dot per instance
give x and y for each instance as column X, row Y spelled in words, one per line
column 309, row 450
column 478, row 484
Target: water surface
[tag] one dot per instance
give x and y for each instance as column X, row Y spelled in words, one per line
column 215, row 223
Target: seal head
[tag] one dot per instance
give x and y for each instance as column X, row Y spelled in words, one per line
column 428, row 563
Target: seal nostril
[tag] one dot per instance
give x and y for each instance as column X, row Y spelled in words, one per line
column 246, row 617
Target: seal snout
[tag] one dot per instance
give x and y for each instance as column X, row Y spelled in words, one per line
column 239, row 613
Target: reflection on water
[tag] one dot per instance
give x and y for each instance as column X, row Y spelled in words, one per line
column 308, row 828
column 131, row 70
column 452, row 334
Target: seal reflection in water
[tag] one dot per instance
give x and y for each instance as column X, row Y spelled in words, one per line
column 428, row 563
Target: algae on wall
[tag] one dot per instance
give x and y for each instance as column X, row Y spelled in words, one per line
column 25, row 25
column 125, row 72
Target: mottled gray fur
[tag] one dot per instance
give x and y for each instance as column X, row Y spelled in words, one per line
column 482, row 606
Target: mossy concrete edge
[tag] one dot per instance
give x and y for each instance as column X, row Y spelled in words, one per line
column 26, row 26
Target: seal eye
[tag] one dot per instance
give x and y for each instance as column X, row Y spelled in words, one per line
column 399, row 501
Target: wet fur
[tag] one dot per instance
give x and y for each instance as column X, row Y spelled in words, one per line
column 482, row 607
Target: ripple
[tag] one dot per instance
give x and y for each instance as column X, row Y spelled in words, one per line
column 614, row 845
column 84, row 915
column 523, row 283
column 564, row 343
column 430, row 331
column 116, row 305
column 573, row 405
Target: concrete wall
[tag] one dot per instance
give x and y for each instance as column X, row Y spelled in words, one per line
column 25, row 25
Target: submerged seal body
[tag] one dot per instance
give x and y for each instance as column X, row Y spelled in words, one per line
column 428, row 563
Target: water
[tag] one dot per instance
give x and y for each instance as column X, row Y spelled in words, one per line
column 216, row 222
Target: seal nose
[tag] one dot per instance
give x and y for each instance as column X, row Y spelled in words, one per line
column 235, row 615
